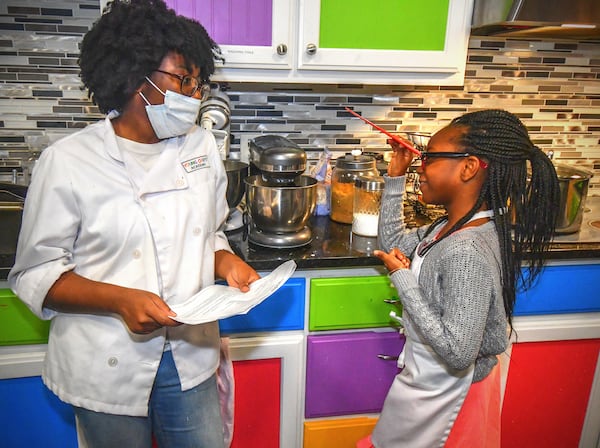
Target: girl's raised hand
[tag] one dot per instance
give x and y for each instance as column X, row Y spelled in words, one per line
column 401, row 159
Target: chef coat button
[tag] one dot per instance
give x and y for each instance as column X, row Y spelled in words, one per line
column 137, row 254
column 196, row 231
column 112, row 361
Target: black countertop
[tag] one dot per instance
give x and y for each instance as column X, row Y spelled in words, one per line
column 335, row 246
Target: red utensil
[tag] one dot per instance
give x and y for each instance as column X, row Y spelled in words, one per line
column 397, row 139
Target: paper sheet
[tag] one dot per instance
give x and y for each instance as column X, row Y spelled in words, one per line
column 219, row 301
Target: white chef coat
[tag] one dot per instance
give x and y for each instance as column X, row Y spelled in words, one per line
column 91, row 210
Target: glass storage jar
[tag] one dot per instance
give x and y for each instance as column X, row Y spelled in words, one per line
column 345, row 172
column 367, row 200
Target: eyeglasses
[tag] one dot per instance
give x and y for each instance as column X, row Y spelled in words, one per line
column 425, row 155
column 190, row 85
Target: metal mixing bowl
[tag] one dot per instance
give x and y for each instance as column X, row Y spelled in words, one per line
column 280, row 209
column 236, row 173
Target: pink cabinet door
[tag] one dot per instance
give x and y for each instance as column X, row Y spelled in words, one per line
column 231, row 22
column 345, row 375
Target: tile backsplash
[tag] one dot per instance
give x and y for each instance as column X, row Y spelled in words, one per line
column 553, row 86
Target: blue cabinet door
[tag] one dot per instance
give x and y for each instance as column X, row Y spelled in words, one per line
column 32, row 416
column 562, row 289
column 283, row 310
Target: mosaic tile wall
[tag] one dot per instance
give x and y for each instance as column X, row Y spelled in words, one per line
column 554, row 86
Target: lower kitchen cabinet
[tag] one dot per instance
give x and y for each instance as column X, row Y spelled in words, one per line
column 350, row 373
column 338, row 433
column 268, row 392
column 32, row 416
column 18, row 325
column 281, row 311
column 351, row 302
column 257, row 403
column 547, row 393
column 550, row 296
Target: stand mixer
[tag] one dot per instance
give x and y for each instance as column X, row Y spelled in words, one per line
column 280, row 200
column 236, row 174
column 214, row 116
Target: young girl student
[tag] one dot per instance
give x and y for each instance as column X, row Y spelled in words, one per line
column 457, row 278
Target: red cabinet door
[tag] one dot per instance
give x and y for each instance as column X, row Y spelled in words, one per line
column 547, row 393
column 257, row 403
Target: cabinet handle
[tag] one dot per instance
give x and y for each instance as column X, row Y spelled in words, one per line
column 391, row 301
column 311, row 49
column 281, row 49
column 388, row 357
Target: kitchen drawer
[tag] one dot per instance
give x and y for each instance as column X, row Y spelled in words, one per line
column 562, row 289
column 283, row 310
column 32, row 416
column 351, row 302
column 338, row 433
column 344, row 375
column 18, row 325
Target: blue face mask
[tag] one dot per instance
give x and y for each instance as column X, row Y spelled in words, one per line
column 175, row 117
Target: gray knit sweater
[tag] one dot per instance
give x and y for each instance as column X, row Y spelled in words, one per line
column 456, row 304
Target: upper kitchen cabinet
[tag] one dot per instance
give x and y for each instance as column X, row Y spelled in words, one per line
column 252, row 34
column 389, row 41
column 334, row 41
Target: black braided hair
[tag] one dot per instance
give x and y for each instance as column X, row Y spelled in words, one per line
column 129, row 41
column 521, row 188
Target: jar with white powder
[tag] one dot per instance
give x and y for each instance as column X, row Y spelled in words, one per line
column 367, row 200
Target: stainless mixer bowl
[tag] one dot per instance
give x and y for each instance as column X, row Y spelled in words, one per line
column 280, row 209
column 236, row 173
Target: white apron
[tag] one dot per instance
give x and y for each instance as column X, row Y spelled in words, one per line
column 426, row 397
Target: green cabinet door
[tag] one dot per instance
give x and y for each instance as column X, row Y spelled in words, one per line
column 384, row 24
column 351, row 302
column 18, row 325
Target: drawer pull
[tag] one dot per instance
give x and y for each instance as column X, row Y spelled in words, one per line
column 397, row 318
column 391, row 301
column 388, row 357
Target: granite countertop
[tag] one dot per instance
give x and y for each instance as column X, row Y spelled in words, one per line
column 335, row 246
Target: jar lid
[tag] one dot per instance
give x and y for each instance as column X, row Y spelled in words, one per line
column 369, row 183
column 351, row 162
column 570, row 172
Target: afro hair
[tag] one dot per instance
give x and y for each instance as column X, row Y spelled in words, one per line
column 130, row 40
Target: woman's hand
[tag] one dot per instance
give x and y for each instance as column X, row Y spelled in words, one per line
column 401, row 159
column 234, row 270
column 393, row 260
column 142, row 311
column 145, row 312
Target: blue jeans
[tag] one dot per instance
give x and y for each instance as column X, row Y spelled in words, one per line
column 190, row 419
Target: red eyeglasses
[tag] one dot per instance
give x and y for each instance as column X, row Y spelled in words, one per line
column 425, row 155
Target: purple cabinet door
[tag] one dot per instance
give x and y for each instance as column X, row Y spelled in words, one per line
column 344, row 375
column 231, row 22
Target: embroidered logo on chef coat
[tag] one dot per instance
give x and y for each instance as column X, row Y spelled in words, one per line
column 197, row 163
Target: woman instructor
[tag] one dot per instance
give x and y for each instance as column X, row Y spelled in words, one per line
column 124, row 219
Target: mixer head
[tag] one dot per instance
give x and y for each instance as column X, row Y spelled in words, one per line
column 279, row 160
